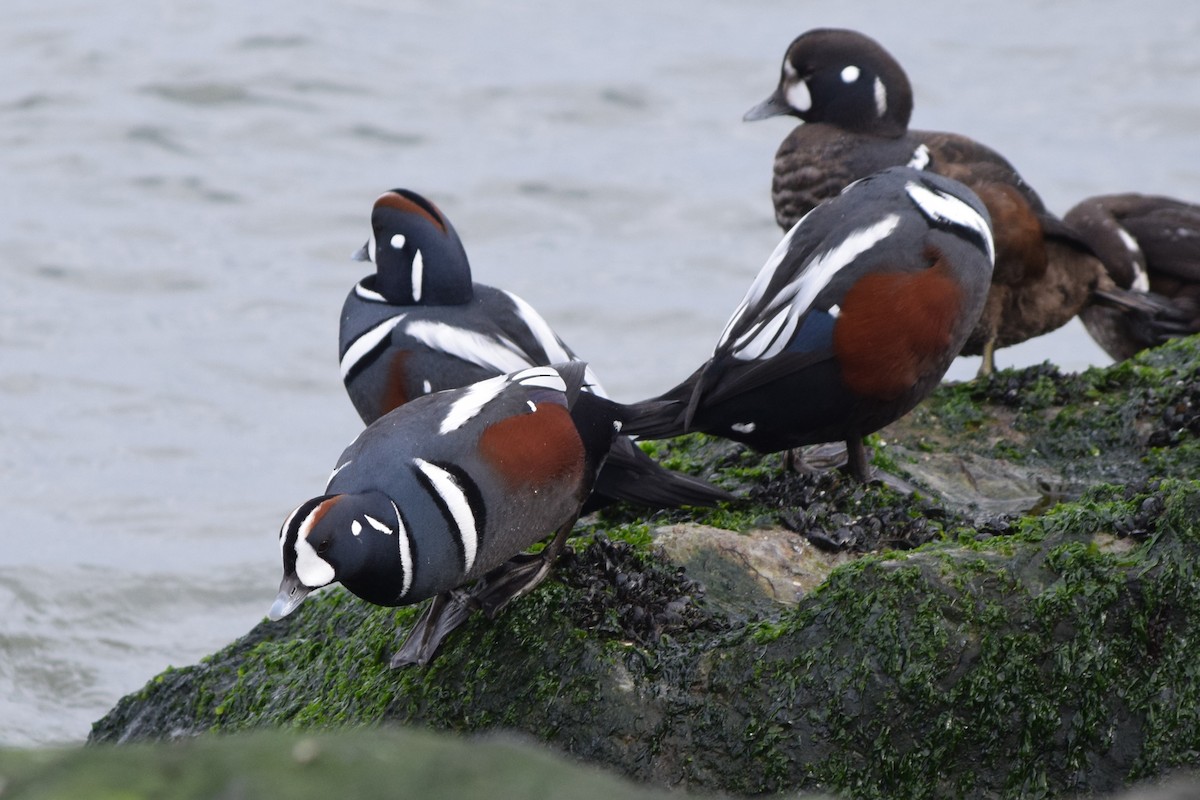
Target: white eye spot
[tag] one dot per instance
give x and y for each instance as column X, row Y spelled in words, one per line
column 418, row 275
column 356, row 527
column 743, row 427
column 880, row 97
column 850, row 74
column 798, row 96
column 371, row 249
column 788, row 70
column 398, row 241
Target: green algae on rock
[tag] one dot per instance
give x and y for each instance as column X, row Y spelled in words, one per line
column 1003, row 650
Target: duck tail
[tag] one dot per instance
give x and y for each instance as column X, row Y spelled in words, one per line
column 631, row 475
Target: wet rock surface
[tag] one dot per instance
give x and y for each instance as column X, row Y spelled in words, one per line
column 1026, row 623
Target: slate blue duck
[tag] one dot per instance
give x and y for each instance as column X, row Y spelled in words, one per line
column 448, row 490
column 855, row 101
column 853, row 320
column 420, row 324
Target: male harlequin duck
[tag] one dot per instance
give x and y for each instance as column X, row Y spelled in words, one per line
column 852, row 321
column 419, row 324
column 855, row 102
column 1148, row 243
column 446, row 490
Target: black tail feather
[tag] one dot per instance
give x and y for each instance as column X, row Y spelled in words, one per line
column 655, row 419
column 631, row 475
column 1152, row 317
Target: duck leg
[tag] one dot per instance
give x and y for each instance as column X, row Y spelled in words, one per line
column 856, row 457
column 519, row 575
column 988, row 365
column 491, row 593
column 444, row 613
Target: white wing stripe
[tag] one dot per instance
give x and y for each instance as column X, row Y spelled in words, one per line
column 544, row 377
column 767, row 339
column 471, row 402
column 490, row 352
column 829, row 263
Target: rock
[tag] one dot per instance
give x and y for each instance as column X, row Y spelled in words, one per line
column 775, row 563
column 357, row 764
column 968, row 640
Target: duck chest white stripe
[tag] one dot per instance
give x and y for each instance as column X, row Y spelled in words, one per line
column 543, row 334
column 335, row 472
column 456, row 501
column 367, row 342
column 367, row 294
column 949, row 209
column 489, row 352
column 405, row 545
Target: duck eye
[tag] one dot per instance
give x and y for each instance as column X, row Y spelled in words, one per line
column 323, row 546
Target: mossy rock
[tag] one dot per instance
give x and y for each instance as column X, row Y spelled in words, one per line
column 965, row 651
column 363, row 765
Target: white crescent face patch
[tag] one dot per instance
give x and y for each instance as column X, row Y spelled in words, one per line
column 472, row 400
column 312, row 570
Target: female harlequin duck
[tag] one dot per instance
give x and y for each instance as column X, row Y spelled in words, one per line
column 446, row 490
column 852, row 321
column 419, row 324
column 855, row 102
column 1150, row 244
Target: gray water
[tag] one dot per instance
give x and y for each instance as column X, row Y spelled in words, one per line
column 183, row 183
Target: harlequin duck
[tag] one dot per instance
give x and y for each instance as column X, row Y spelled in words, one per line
column 855, row 101
column 446, row 490
column 419, row 324
column 1148, row 243
column 853, row 320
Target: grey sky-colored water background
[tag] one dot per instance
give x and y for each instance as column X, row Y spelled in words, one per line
column 183, row 183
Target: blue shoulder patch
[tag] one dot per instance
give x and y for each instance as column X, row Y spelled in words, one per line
column 815, row 333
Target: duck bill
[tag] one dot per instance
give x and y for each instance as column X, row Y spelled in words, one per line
column 291, row 594
column 774, row 106
column 363, row 253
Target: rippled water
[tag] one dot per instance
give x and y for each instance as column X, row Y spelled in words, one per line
column 183, row 184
